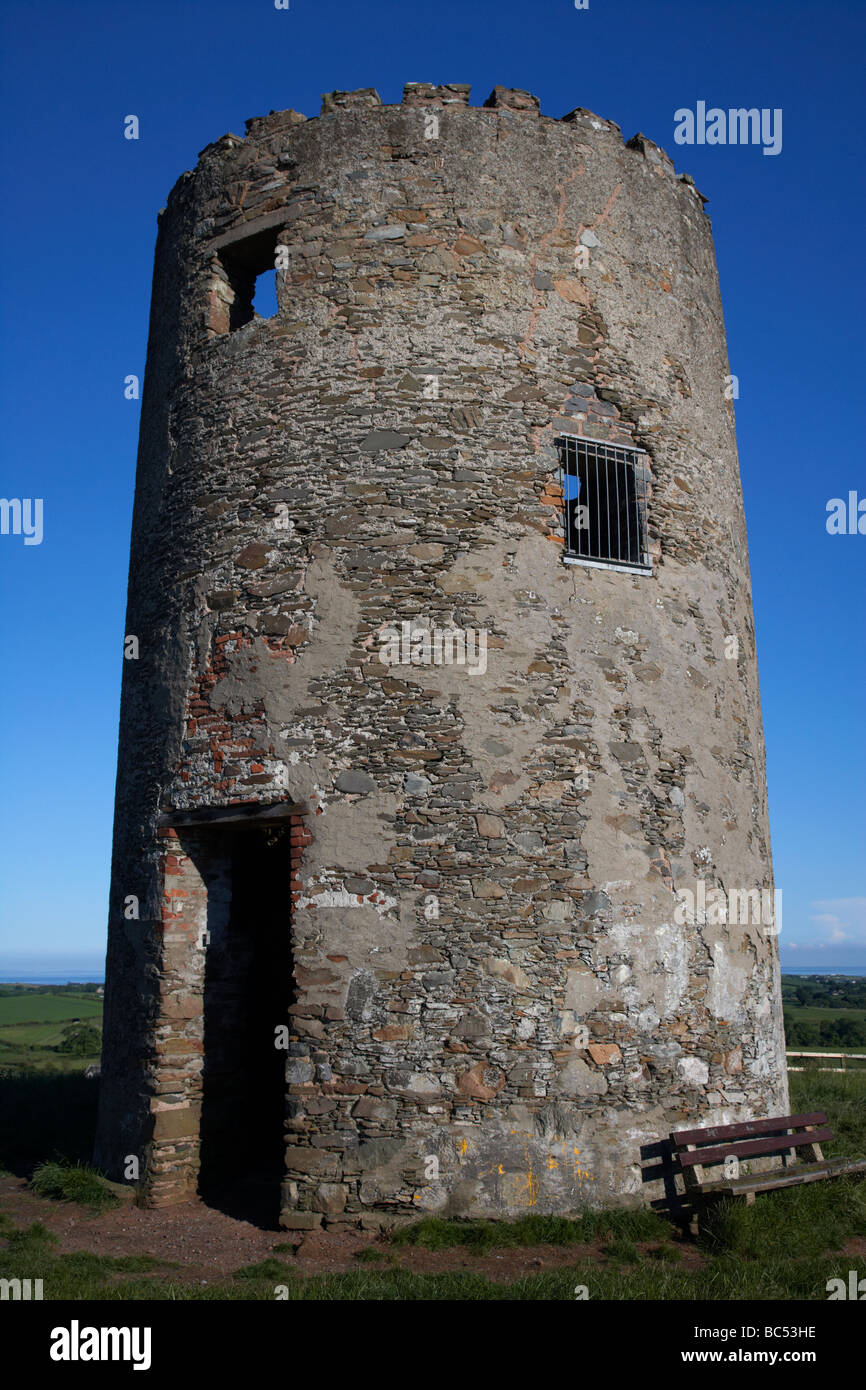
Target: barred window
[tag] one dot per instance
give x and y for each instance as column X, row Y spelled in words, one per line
column 604, row 491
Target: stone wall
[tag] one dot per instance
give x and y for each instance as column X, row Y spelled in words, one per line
column 495, row 1006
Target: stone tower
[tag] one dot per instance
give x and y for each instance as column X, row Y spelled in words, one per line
column 422, row 761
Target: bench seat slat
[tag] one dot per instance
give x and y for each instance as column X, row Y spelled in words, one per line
column 790, row 1177
column 747, row 1129
column 755, row 1148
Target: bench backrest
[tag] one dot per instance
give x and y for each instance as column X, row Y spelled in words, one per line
column 777, row 1134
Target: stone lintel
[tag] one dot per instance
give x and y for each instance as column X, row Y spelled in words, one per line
column 205, row 817
column 243, row 230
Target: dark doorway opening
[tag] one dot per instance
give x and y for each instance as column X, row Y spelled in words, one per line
column 247, row 994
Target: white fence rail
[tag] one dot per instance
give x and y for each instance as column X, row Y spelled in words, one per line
column 828, row 1057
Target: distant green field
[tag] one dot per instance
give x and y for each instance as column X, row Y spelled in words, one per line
column 43, row 1061
column 825, row 1013
column 816, row 1012
column 45, row 1008
column 32, row 1026
column 34, row 1034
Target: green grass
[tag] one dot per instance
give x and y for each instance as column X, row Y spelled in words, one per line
column 29, row 1240
column 18, row 1061
column 32, row 1024
column 665, row 1252
column 47, row 1008
column 814, row 1012
column 801, row 1222
column 27, row 1035
column 627, row 1274
column 30, row 1254
column 66, row 1182
column 433, row 1233
column 623, row 1250
column 276, row 1271
column 842, row 1096
column 38, row 1061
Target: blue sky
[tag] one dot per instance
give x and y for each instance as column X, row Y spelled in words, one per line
column 78, row 230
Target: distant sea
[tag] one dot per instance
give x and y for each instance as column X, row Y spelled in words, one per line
column 20, row 969
column 824, row 969
column 52, row 977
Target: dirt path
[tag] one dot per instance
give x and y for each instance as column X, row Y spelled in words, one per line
column 207, row 1244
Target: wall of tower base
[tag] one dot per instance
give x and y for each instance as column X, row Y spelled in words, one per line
column 554, row 1160
column 371, row 1137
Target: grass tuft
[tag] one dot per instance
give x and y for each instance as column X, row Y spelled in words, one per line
column 29, row 1240
column 625, row 1251
column 73, row 1182
column 265, row 1269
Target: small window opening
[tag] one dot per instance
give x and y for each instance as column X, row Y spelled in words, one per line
column 250, row 266
column 604, row 490
column 265, row 294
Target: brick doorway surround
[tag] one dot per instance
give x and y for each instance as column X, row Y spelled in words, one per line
column 197, row 850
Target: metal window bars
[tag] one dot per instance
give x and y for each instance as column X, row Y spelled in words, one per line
column 604, row 489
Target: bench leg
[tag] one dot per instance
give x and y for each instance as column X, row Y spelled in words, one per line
column 750, row 1198
column 701, row 1205
column 693, row 1178
column 817, row 1155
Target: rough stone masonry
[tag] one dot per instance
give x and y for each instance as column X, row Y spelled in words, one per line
column 489, row 1007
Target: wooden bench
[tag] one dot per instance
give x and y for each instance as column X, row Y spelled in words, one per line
column 779, row 1135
